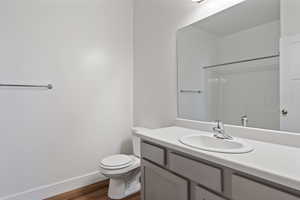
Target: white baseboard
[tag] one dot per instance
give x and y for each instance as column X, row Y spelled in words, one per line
column 53, row 189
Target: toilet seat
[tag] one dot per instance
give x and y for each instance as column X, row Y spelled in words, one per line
column 135, row 164
column 116, row 162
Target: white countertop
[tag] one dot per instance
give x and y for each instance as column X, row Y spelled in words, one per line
column 273, row 162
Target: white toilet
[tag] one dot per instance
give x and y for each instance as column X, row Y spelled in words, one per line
column 123, row 171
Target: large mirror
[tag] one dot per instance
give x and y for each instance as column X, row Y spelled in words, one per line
column 242, row 66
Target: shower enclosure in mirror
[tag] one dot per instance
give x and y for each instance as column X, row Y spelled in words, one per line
column 235, row 66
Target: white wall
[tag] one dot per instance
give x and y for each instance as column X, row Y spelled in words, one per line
column 195, row 48
column 84, row 48
column 259, row 41
column 290, row 16
column 156, row 23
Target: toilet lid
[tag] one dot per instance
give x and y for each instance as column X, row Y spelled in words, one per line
column 116, row 161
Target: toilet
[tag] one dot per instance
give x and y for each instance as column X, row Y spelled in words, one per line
column 123, row 172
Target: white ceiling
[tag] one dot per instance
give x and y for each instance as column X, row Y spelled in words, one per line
column 241, row 17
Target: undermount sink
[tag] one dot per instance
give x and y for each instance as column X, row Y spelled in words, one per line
column 210, row 143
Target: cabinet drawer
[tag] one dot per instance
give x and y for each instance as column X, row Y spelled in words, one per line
column 153, row 153
column 206, row 175
column 202, row 194
column 246, row 189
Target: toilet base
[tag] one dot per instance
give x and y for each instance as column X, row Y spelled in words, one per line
column 120, row 188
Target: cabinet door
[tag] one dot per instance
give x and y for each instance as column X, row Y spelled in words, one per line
column 159, row 184
column 246, row 189
column 202, row 194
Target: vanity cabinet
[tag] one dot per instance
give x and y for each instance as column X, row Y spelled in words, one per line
column 247, row 189
column 153, row 153
column 202, row 194
column 171, row 175
column 201, row 173
column 160, row 184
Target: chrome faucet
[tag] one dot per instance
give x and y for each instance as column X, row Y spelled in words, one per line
column 219, row 131
column 244, row 120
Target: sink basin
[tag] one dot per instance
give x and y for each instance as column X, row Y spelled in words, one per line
column 210, row 143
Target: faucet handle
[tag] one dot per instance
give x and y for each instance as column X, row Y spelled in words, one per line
column 220, row 124
column 220, row 131
column 219, row 128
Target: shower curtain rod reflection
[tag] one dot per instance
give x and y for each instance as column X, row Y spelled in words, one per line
column 240, row 61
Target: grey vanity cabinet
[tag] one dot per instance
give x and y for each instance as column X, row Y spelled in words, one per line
column 154, row 153
column 246, row 189
column 160, row 184
column 172, row 175
column 200, row 173
column 202, row 194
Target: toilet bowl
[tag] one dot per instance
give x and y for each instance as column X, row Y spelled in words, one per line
column 123, row 172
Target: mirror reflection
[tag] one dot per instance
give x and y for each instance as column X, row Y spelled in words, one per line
column 241, row 66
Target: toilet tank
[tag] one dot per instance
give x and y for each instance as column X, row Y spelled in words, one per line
column 136, row 141
column 136, row 146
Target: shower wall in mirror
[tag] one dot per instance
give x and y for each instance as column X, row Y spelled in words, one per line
column 228, row 66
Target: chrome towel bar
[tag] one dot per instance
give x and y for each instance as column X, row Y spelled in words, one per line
column 191, row 91
column 49, row 86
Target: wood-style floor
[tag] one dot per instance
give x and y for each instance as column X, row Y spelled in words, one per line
column 96, row 191
column 102, row 195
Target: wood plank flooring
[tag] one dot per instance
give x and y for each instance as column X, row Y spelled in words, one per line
column 96, row 191
column 102, row 195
